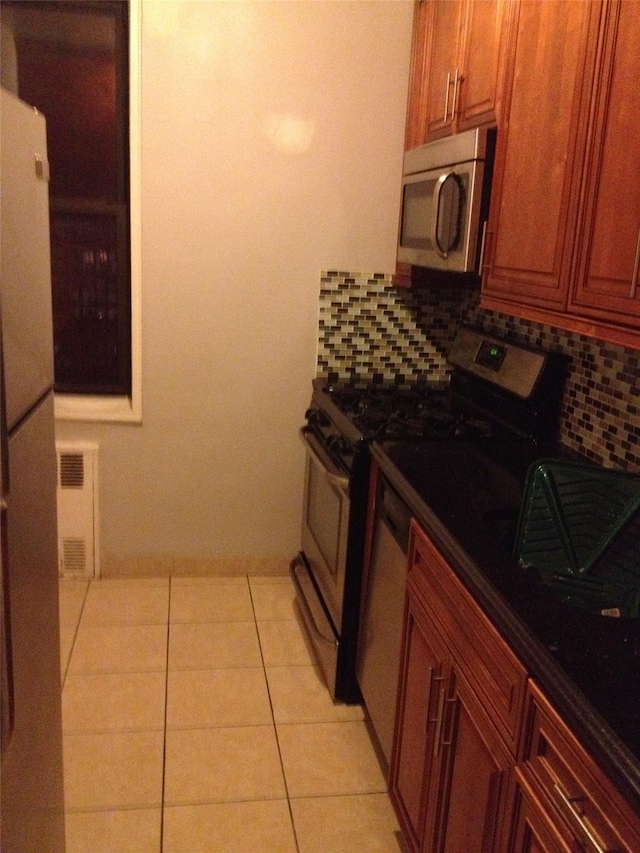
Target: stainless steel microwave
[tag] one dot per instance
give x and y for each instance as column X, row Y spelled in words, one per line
column 445, row 201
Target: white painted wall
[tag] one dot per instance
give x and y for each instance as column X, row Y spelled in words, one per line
column 271, row 149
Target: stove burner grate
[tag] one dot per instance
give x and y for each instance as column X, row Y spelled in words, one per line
column 392, row 412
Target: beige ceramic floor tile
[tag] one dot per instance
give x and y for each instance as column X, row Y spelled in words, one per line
column 211, row 603
column 222, row 765
column 119, row 648
column 258, row 827
column 214, row 645
column 112, row 702
column 217, row 697
column 71, row 597
column 323, row 759
column 134, row 581
column 199, row 580
column 258, row 580
column 364, row 823
column 131, row 831
column 112, row 602
column 274, row 601
column 212, row 568
column 283, row 644
column 113, row 771
column 67, row 639
column 299, row 694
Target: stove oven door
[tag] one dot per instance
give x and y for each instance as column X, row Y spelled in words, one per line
column 325, row 523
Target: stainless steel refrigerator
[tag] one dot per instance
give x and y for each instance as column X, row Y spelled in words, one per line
column 31, row 780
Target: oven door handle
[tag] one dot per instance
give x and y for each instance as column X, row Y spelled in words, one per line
column 332, row 473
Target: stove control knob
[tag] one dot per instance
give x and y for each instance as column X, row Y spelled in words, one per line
column 340, row 446
column 317, row 418
column 346, row 450
column 332, row 445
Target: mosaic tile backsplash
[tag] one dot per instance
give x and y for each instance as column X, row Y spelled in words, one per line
column 367, row 326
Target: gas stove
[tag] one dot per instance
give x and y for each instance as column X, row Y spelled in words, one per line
column 499, row 395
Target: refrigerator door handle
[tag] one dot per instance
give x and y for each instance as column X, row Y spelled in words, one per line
column 7, row 704
column 4, row 433
column 7, row 693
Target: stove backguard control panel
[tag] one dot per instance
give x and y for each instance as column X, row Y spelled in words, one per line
column 509, row 366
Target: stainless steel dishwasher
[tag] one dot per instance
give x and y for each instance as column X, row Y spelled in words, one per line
column 378, row 660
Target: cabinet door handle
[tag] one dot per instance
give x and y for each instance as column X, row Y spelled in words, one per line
column 569, row 803
column 457, row 79
column 438, row 721
column 636, row 269
column 447, row 739
column 482, row 244
column 446, row 97
column 432, row 679
column 427, row 699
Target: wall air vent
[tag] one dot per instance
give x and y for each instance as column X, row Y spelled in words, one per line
column 78, row 551
column 71, row 470
column 74, row 556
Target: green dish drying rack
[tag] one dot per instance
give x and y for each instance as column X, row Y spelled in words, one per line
column 579, row 530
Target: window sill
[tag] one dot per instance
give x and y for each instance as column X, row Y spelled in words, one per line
column 72, row 407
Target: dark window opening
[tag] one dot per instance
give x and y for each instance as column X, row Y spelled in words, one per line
column 72, row 65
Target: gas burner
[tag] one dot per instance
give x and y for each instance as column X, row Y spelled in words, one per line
column 379, row 410
column 475, row 428
column 421, row 425
column 392, row 413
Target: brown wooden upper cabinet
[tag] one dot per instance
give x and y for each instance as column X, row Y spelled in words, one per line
column 455, row 72
column 563, row 241
column 607, row 284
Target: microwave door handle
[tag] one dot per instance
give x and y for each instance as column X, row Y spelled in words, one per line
column 435, row 215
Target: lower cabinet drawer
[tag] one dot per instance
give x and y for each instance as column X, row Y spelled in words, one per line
column 589, row 813
column 533, row 828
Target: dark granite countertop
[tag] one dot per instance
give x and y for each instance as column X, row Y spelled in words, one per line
column 587, row 665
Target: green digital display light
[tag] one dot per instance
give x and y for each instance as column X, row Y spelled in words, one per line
column 491, row 356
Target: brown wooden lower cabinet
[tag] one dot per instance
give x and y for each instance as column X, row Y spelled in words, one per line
column 560, row 799
column 466, row 777
column 419, row 704
column 449, row 774
column 450, row 767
